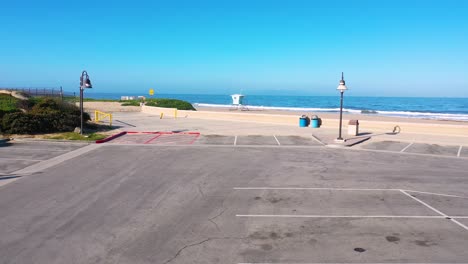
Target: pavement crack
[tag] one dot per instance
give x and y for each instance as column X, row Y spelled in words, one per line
column 197, row 244
column 216, row 216
column 216, row 225
column 200, row 191
column 187, row 246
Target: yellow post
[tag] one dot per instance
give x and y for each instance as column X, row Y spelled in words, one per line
column 96, row 118
column 161, row 116
column 110, row 119
column 175, row 113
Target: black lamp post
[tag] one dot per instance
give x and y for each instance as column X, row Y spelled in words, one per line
column 342, row 87
column 85, row 82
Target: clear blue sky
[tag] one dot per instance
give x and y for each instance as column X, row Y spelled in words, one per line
column 385, row 48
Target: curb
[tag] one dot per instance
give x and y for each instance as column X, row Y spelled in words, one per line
column 110, row 138
column 52, row 140
column 4, row 141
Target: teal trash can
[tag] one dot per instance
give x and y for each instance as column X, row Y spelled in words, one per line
column 315, row 122
column 303, row 122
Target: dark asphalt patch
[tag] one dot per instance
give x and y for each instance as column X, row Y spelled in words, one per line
column 386, row 145
column 215, row 140
column 297, row 141
column 256, row 140
column 433, row 149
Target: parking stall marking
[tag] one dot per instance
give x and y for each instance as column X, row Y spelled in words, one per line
column 318, row 141
column 176, row 138
column 311, row 188
column 346, row 216
column 151, row 139
column 440, row 215
column 343, row 263
column 405, row 148
column 435, row 210
column 346, row 189
column 277, row 141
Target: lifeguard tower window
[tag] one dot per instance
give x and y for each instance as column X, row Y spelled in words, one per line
column 237, row 99
column 237, row 102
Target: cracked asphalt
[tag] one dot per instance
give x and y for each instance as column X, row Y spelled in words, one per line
column 227, row 204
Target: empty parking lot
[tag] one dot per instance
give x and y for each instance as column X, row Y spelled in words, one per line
column 123, row 203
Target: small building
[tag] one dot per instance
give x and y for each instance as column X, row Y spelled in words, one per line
column 237, row 99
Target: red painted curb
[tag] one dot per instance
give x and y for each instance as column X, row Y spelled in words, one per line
column 110, row 138
column 161, row 132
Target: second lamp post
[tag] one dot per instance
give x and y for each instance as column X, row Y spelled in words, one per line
column 85, row 82
column 342, row 87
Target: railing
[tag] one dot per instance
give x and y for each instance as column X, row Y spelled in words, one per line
column 46, row 92
column 99, row 116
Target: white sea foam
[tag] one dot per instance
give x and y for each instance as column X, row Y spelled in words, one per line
column 408, row 114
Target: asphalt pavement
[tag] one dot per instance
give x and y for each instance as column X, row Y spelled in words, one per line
column 117, row 203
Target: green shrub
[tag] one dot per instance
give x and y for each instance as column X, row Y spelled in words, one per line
column 28, row 123
column 8, row 102
column 4, row 112
column 20, row 123
column 52, row 105
column 130, row 103
column 46, row 105
column 170, row 103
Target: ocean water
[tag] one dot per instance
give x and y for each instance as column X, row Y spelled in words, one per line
column 411, row 107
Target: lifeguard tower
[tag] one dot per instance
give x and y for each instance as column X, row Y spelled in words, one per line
column 237, row 102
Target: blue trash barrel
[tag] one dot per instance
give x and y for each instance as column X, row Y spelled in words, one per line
column 314, row 123
column 303, row 122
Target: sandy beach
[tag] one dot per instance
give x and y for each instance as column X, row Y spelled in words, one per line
column 269, row 122
column 117, row 107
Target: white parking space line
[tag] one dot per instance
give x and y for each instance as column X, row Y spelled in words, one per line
column 316, row 139
column 307, row 188
column 235, row 140
column 435, row 210
column 347, row 189
column 437, row 194
column 459, row 151
column 346, row 216
column 405, row 148
column 277, row 141
column 338, row 262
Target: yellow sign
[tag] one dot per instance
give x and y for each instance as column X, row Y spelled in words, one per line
column 151, row 92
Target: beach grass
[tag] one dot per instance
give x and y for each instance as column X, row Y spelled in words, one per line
column 170, row 103
column 8, row 103
column 130, row 103
column 77, row 136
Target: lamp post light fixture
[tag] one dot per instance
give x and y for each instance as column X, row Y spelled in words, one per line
column 85, row 82
column 342, row 87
